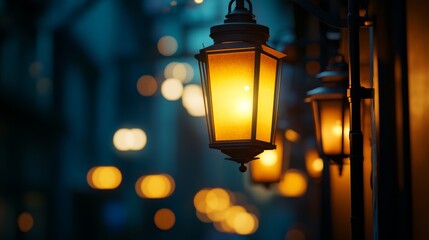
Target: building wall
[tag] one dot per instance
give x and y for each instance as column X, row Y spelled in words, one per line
column 418, row 58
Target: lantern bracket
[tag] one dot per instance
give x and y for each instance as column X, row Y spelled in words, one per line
column 361, row 93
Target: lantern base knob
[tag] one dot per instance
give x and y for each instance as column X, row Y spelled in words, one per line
column 242, row 168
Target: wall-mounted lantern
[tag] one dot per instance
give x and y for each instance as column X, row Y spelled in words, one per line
column 331, row 113
column 241, row 75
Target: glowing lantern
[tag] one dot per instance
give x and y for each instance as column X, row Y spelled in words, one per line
column 241, row 75
column 268, row 168
column 293, row 184
column 331, row 114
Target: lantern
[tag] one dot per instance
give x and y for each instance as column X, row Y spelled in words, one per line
column 331, row 113
column 240, row 76
column 268, row 168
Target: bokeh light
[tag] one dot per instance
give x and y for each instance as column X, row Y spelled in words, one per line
column 293, row 183
column 172, row 89
column 155, row 186
column 313, row 163
column 292, row 135
column 25, row 222
column 198, row 1
column 168, row 70
column 164, row 219
column 193, row 100
column 231, row 213
column 200, row 201
column 133, row 139
column 104, row 177
column 217, row 199
column 147, row 85
column 245, row 223
column 167, row 45
column 181, row 71
column 217, row 205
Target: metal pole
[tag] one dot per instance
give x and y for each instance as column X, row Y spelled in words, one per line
column 356, row 136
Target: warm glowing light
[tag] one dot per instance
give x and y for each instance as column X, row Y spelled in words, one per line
column 172, row 89
column 313, row 163
column 173, row 3
column 245, row 223
column 317, row 164
column 232, row 213
column 335, row 139
column 232, row 105
column 200, row 200
column 244, row 107
column 25, row 222
column 198, row 1
column 193, row 101
column 337, row 129
column 292, row 135
column 133, row 139
column 167, row 45
column 268, row 168
column 293, row 184
column 246, row 88
column 217, row 199
column 147, row 85
column 155, row 186
column 164, row 219
column 104, row 177
column 268, row 158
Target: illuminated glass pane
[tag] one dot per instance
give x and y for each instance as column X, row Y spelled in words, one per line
column 346, row 131
column 267, row 83
column 231, row 77
column 331, row 121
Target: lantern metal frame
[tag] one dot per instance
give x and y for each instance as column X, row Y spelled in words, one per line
column 243, row 26
column 334, row 80
column 240, row 33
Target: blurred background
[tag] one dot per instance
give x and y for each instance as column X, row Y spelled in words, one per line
column 102, row 127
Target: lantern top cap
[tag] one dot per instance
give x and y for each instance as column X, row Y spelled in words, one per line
column 240, row 25
column 336, row 72
column 240, row 13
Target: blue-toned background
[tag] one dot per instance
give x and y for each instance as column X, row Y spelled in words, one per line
column 73, row 72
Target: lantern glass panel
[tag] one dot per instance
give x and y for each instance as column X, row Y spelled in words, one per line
column 231, row 78
column 346, row 138
column 266, row 98
column 334, row 123
column 331, row 122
